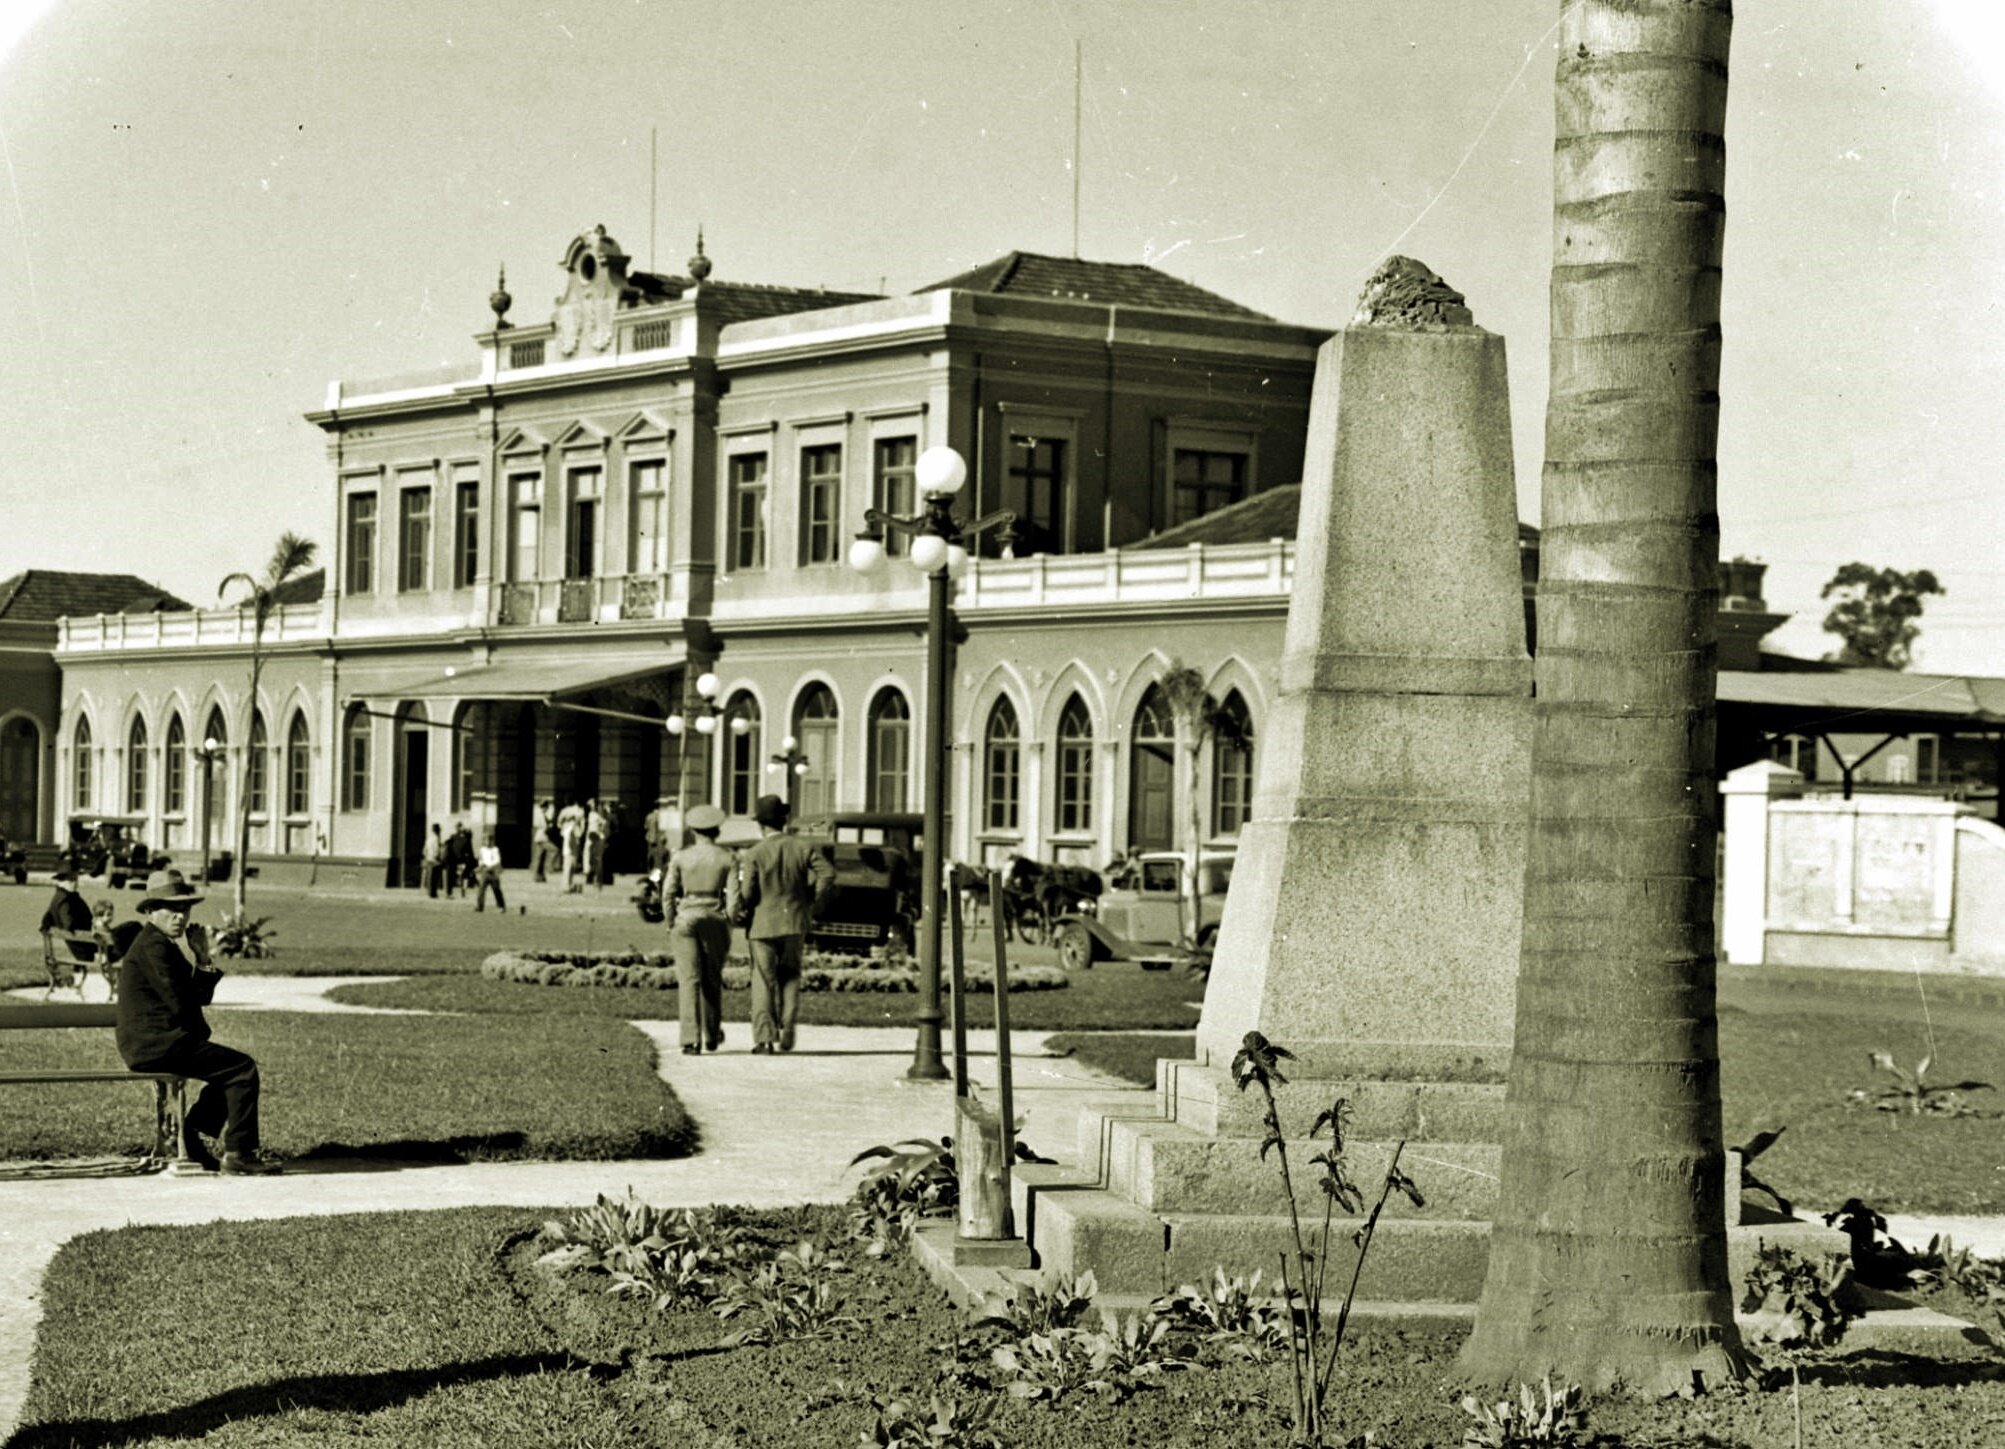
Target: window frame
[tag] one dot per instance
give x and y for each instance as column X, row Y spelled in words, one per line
column 890, row 734
column 644, row 506
column 1072, row 770
column 1232, row 768
column 298, row 767
column 743, row 754
column 748, row 482
column 138, row 780
column 357, row 748
column 823, row 776
column 1002, row 769
column 257, row 767
column 583, row 510
column 414, row 537
column 361, row 520
column 821, row 503
column 894, row 485
column 174, row 769
column 466, row 526
column 83, row 781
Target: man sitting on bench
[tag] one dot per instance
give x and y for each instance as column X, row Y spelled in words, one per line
column 68, row 915
column 164, row 982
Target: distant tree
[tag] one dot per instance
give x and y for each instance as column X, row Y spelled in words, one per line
column 292, row 556
column 1877, row 613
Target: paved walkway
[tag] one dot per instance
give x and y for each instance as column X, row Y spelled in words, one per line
column 776, row 1130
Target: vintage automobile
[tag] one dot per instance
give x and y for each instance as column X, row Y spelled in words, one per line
column 109, row 845
column 1145, row 921
column 878, row 858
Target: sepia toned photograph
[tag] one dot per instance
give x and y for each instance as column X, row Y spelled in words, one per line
column 1272, row 724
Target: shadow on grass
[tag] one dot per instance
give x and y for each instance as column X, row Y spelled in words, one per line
column 410, row 1152
column 1880, row 1368
column 359, row 1393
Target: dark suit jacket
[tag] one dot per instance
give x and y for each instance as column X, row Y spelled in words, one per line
column 160, row 999
column 67, row 911
column 779, row 879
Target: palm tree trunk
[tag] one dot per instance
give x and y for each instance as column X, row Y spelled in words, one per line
column 244, row 782
column 1608, row 1253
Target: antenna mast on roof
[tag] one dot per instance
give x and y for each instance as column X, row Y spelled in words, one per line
column 1076, row 51
column 653, row 172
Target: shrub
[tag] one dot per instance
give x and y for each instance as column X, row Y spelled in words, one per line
column 1800, row 1302
column 820, row 971
column 245, row 935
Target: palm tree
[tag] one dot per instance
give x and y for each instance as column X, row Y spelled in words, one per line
column 1198, row 718
column 292, row 557
column 1608, row 1250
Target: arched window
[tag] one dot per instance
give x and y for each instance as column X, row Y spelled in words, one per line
column 744, row 754
column 217, row 733
column 298, row 767
column 1231, row 766
column 355, row 761
column 174, row 767
column 83, row 796
column 1152, row 773
column 890, row 751
column 135, row 768
column 257, row 767
column 1002, row 769
column 815, row 727
column 1075, row 769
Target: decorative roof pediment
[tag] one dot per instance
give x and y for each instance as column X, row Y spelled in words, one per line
column 642, row 424
column 595, row 282
column 523, row 440
column 583, row 434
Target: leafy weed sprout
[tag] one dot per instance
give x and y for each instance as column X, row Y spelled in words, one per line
column 1912, row 1094
column 1311, row 1363
column 1551, row 1416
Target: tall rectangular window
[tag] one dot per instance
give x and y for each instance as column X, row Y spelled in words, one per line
column 745, row 547
column 647, row 495
column 821, row 503
column 1037, row 491
column 581, row 533
column 355, row 762
column 361, row 544
column 1927, row 759
column 466, row 528
column 1205, row 481
column 893, row 489
column 414, row 540
column 525, row 526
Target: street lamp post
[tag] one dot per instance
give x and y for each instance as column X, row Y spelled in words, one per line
column 209, row 751
column 703, row 715
column 939, row 551
column 794, row 760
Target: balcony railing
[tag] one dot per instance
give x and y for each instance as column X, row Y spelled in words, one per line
column 189, row 628
column 590, row 601
column 1228, row 571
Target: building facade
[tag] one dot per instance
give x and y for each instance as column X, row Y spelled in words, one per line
column 531, row 558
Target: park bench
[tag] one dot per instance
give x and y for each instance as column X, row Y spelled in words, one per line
column 170, row 1097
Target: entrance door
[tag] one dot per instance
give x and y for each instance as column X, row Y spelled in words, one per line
column 411, row 824
column 1152, row 774
column 20, row 779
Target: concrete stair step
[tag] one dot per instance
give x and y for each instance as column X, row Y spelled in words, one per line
column 1204, row 1097
column 1130, row 1249
column 1168, row 1166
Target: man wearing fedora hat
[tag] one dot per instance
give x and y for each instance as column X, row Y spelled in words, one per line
column 164, row 982
column 775, row 886
column 693, row 891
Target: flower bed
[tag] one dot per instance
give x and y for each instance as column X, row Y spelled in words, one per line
column 820, row 971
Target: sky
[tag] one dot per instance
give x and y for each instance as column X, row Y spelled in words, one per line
column 213, row 209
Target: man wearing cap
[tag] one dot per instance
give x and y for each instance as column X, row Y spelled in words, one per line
column 693, row 891
column 66, row 914
column 163, row 984
column 777, row 883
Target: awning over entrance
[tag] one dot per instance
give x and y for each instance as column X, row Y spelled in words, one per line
column 529, row 680
column 1859, row 701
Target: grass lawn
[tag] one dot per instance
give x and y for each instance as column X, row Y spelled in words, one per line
column 1121, row 997
column 434, row 1329
column 470, row 1088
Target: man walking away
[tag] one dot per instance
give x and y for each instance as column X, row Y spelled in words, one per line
column 776, row 885
column 571, row 832
column 488, row 872
column 432, row 862
column 164, row 982
column 596, row 827
column 543, row 832
column 694, row 891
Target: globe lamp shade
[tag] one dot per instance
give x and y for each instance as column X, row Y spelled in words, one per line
column 740, row 725
column 705, row 725
column 866, row 553
column 929, row 551
column 940, row 472
column 675, row 724
column 708, row 684
column 789, row 745
column 957, row 560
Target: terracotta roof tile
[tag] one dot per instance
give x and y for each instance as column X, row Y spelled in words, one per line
column 38, row 596
column 1123, row 284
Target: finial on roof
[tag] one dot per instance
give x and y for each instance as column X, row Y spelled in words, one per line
column 500, row 301
column 699, row 265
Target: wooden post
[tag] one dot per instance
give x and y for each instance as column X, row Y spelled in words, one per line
column 958, row 985
column 984, row 1211
column 1005, row 1094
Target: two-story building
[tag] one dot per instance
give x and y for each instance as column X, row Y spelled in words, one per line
column 530, row 559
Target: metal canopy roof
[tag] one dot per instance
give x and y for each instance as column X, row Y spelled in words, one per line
column 528, row 680
column 1841, row 700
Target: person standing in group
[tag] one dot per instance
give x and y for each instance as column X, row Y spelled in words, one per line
column 432, row 862
column 459, row 860
column 164, row 982
column 695, row 888
column 595, row 843
column 544, row 850
column 774, row 891
column 571, row 834
column 487, row 872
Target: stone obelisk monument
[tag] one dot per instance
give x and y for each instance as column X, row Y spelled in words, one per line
column 1372, row 924
column 1373, row 921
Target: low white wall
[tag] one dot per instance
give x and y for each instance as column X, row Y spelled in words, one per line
column 1890, row 882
